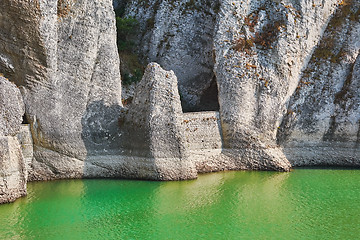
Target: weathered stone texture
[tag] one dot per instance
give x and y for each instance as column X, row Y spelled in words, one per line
column 258, row 63
column 11, row 108
column 202, row 130
column 179, row 36
column 64, row 55
column 153, row 129
column 12, row 170
column 286, row 75
column 322, row 124
column 260, row 53
column 13, row 175
column 26, row 143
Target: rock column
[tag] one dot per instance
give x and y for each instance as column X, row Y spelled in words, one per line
column 13, row 174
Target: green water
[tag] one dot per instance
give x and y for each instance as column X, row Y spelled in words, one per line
column 303, row 204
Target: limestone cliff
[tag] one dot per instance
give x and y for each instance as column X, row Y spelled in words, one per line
column 179, row 35
column 285, row 70
column 64, row 57
column 322, row 123
column 281, row 78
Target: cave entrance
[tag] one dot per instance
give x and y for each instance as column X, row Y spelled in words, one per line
column 209, row 100
column 25, row 120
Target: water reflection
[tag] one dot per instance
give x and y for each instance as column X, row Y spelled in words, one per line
column 227, row 205
column 224, row 201
column 44, row 209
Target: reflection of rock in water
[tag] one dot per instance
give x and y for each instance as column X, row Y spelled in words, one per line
column 209, row 189
column 206, row 190
column 263, row 196
column 228, row 200
column 27, row 217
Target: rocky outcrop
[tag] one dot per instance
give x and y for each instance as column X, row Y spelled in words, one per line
column 262, row 54
column 11, row 108
column 153, row 130
column 12, row 165
column 64, row 57
column 153, row 143
column 258, row 63
column 322, row 124
column 283, row 74
column 179, row 36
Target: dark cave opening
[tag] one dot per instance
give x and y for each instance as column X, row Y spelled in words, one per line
column 208, row 101
column 25, row 120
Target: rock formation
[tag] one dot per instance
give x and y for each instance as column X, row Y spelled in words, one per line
column 12, row 164
column 280, row 77
column 322, row 124
column 64, row 57
column 258, row 63
column 153, row 129
column 262, row 54
column 174, row 30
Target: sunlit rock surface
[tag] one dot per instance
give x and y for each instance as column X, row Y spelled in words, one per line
column 153, row 129
column 64, row 57
column 280, row 77
column 262, row 56
column 13, row 175
column 322, row 123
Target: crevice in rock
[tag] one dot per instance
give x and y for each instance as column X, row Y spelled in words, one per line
column 208, row 101
column 25, row 120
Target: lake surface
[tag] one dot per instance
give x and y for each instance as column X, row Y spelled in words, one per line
column 303, row 204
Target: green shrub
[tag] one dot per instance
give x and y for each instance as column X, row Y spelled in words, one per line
column 126, row 30
column 129, row 78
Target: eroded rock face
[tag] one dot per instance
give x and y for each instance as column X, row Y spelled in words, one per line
column 258, row 63
column 258, row 69
column 63, row 53
column 285, row 74
column 322, row 124
column 153, row 129
column 13, row 175
column 12, row 170
column 179, row 36
column 260, row 52
column 12, row 108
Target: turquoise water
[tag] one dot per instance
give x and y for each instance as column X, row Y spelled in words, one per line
column 303, row 204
